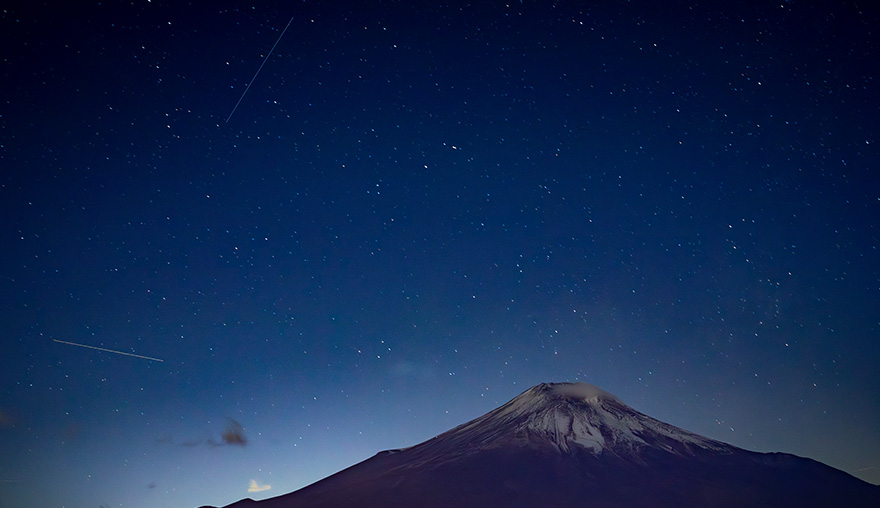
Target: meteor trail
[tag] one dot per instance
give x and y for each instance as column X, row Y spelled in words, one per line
column 248, row 87
column 109, row 350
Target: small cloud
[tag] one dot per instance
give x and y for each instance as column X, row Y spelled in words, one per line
column 256, row 487
column 234, row 434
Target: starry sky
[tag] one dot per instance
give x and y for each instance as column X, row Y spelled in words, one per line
column 417, row 211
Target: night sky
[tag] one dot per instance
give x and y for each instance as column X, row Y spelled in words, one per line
column 416, row 212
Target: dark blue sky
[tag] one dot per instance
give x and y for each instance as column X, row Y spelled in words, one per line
column 415, row 214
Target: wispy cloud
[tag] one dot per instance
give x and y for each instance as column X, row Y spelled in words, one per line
column 232, row 436
column 256, row 487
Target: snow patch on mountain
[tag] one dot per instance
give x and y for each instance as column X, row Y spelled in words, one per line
column 567, row 415
column 584, row 391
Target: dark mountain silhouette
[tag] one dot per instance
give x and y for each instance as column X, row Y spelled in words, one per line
column 575, row 445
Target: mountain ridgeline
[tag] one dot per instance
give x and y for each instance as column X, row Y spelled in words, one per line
column 575, row 445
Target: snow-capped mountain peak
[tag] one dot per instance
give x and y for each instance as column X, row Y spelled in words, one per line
column 577, row 445
column 569, row 415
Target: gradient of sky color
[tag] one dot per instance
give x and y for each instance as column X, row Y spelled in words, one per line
column 415, row 213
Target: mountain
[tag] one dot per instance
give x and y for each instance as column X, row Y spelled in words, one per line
column 575, row 445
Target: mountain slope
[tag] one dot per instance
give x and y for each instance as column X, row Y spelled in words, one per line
column 577, row 445
column 565, row 415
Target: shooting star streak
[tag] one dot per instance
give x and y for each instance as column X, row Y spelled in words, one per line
column 864, row 469
column 110, row 350
column 248, row 87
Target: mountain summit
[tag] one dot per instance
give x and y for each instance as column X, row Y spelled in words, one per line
column 573, row 415
column 576, row 445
